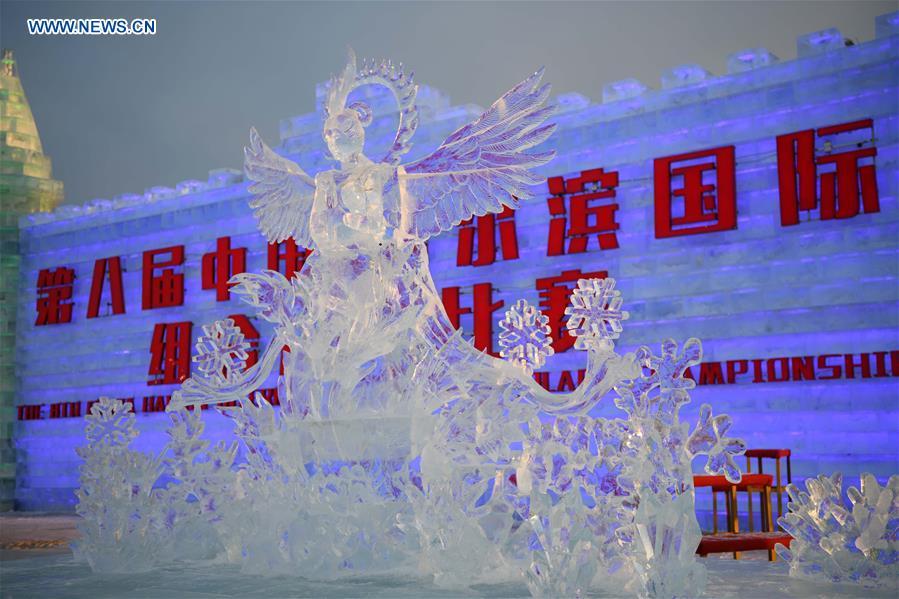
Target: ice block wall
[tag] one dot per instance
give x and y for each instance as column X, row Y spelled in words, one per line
column 798, row 321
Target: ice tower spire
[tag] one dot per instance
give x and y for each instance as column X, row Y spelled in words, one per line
column 9, row 63
column 26, row 186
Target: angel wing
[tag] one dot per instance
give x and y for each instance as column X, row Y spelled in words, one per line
column 282, row 193
column 482, row 166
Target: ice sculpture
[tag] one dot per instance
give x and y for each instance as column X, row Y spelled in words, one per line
column 858, row 544
column 397, row 447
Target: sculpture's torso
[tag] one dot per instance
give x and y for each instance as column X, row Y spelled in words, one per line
column 348, row 211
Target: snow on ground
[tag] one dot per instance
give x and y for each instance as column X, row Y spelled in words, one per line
column 51, row 572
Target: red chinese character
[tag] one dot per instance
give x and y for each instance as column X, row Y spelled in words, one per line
column 170, row 353
column 221, row 265
column 293, row 257
column 116, row 293
column 704, row 186
column 555, row 295
column 843, row 178
column 482, row 310
column 485, row 229
column 54, row 296
column 165, row 289
column 586, row 215
column 250, row 334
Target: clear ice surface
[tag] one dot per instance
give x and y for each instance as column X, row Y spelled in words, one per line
column 397, row 447
column 65, row 578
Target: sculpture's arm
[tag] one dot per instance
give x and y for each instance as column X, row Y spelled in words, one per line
column 604, row 371
column 197, row 391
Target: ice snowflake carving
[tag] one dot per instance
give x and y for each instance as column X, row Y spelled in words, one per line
column 389, row 443
column 525, row 337
column 858, row 544
column 221, row 351
column 120, row 512
column 615, row 495
column 594, row 316
column 708, row 439
column 110, row 424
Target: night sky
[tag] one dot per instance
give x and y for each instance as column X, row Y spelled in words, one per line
column 123, row 113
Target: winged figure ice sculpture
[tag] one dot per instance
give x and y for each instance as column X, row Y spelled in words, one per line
column 480, row 168
column 398, row 446
column 367, row 282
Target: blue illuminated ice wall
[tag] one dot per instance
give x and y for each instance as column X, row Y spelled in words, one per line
column 761, row 291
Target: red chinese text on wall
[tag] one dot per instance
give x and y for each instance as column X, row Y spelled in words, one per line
column 170, row 353
column 695, row 192
column 839, row 180
column 221, row 265
column 477, row 239
column 286, row 257
column 164, row 288
column 112, row 266
column 54, row 296
column 581, row 207
column 555, row 296
column 482, row 310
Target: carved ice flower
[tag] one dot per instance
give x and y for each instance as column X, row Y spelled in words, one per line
column 708, row 439
column 221, row 351
column 525, row 336
column 595, row 315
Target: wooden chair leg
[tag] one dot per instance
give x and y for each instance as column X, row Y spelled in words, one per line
column 780, row 507
column 749, row 500
column 735, row 522
column 768, row 508
column 714, row 512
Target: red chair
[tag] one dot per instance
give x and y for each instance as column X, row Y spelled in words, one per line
column 750, row 483
column 718, row 484
column 773, row 454
column 747, row 541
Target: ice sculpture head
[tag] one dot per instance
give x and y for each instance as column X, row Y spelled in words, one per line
column 344, row 132
column 344, row 123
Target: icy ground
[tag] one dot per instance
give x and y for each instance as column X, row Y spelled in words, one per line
column 57, row 575
column 51, row 572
